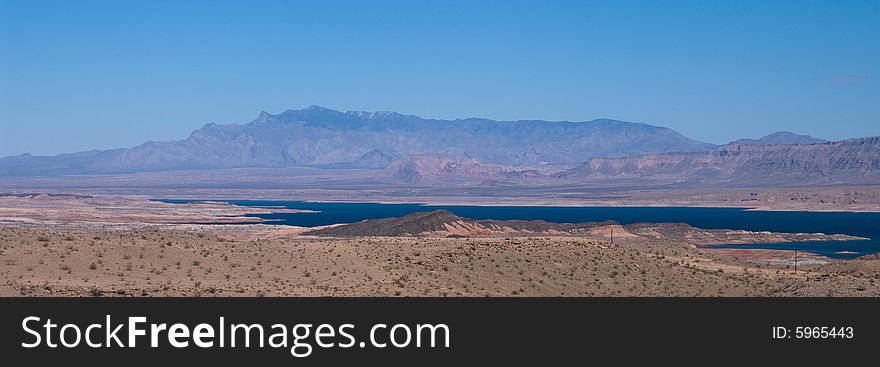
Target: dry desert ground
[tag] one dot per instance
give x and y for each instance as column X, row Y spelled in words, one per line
column 95, row 251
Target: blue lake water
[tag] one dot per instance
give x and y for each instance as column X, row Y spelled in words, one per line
column 856, row 224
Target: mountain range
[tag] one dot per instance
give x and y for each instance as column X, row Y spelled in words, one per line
column 318, row 136
column 399, row 149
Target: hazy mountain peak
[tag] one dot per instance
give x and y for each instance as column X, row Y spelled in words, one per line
column 608, row 121
column 312, row 114
column 264, row 116
column 376, row 115
column 315, row 107
column 315, row 113
column 783, row 137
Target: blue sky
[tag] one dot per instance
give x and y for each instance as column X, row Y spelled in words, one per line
column 76, row 75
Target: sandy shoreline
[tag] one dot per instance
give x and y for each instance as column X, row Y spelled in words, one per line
column 864, row 198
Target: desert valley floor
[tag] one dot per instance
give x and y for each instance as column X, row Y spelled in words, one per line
column 113, row 246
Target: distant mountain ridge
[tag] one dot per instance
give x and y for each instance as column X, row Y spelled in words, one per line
column 854, row 161
column 318, row 136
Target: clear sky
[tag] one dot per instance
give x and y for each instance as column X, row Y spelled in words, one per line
column 76, row 75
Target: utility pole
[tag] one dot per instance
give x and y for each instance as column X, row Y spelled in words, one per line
column 612, row 233
column 795, row 260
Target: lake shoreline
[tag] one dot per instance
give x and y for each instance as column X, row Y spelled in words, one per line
column 123, row 212
column 80, row 246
